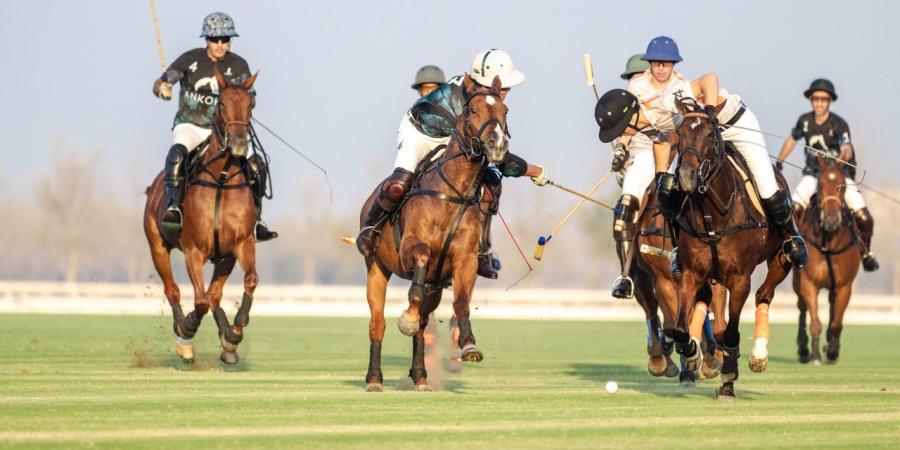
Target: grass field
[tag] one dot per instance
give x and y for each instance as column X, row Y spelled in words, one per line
column 114, row 382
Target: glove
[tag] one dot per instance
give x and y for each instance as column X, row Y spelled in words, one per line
column 779, row 165
column 492, row 175
column 620, row 155
column 541, row 179
column 163, row 90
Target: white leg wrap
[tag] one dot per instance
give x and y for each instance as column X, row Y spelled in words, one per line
column 182, row 341
column 761, row 348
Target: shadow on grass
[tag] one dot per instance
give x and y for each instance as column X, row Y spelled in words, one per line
column 637, row 379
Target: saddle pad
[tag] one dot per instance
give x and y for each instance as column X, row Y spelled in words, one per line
column 748, row 184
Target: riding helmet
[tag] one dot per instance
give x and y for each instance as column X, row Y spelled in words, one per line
column 613, row 112
column 821, row 84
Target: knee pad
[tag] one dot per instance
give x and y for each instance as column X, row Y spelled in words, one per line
column 669, row 195
column 177, row 154
column 395, row 188
column 864, row 220
column 623, row 225
column 779, row 207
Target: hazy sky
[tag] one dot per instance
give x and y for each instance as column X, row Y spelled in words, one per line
column 335, row 75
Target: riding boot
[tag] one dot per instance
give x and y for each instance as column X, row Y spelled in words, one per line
column 670, row 200
column 259, row 174
column 488, row 264
column 174, row 181
column 778, row 209
column 390, row 195
column 623, row 234
column 866, row 226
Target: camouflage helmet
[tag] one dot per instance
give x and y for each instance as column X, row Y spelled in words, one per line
column 218, row 24
column 429, row 74
column 635, row 64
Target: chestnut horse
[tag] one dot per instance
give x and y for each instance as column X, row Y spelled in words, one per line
column 723, row 239
column 435, row 234
column 828, row 227
column 218, row 225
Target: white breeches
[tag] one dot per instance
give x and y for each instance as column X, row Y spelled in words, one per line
column 189, row 135
column 639, row 174
column 752, row 147
column 413, row 145
column 808, row 185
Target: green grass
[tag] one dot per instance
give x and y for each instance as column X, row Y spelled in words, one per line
column 114, row 382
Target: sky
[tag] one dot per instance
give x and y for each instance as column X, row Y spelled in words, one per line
column 334, row 78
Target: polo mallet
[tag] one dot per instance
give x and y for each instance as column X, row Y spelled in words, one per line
column 159, row 45
column 542, row 241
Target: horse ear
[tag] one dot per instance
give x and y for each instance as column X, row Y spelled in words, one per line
column 219, row 78
column 468, row 84
column 496, row 85
column 681, row 107
column 248, row 83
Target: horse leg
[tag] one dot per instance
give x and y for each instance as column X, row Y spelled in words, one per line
column 418, row 372
column 809, row 291
column 376, row 289
column 840, row 301
column 778, row 271
column 731, row 342
column 193, row 259
column 184, row 345
column 464, row 275
column 685, row 344
column 667, row 292
column 802, row 337
column 645, row 297
column 221, row 270
column 454, row 362
column 711, row 366
column 410, row 320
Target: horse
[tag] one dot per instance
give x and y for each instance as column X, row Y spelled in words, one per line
column 218, row 225
column 436, row 233
column 828, row 226
column 656, row 288
column 723, row 239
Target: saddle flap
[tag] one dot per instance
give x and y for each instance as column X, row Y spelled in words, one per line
column 743, row 172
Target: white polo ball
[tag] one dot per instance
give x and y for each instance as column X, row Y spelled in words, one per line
column 612, row 387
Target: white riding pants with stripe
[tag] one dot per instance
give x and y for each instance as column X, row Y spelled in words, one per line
column 413, row 145
column 809, row 184
column 639, row 174
column 189, row 135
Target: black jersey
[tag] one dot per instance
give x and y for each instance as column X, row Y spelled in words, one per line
column 199, row 90
column 827, row 137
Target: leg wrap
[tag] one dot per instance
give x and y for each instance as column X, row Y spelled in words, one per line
column 465, row 332
column 654, row 344
column 374, row 374
column 418, row 365
column 242, row 318
column 177, row 317
column 225, row 330
column 190, row 325
column 417, row 290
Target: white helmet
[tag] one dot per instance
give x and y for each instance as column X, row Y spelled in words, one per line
column 490, row 63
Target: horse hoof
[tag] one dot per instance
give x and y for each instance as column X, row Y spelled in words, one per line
column 229, row 358
column 758, row 365
column 831, row 358
column 657, row 366
column 710, row 367
column 423, row 388
column 373, row 387
column 408, row 325
column 672, row 370
column 725, row 397
column 725, row 393
column 471, row 353
column 184, row 348
column 687, row 383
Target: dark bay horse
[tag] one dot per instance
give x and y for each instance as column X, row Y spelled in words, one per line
column 656, row 289
column 435, row 234
column 723, row 239
column 827, row 227
column 218, row 225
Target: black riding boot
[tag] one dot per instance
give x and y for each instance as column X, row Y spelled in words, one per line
column 779, row 211
column 174, row 180
column 488, row 264
column 259, row 174
column 866, row 226
column 670, row 199
column 390, row 195
column 623, row 233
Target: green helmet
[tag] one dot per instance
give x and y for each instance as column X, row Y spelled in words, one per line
column 429, row 74
column 635, row 65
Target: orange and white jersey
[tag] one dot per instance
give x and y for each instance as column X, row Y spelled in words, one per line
column 653, row 99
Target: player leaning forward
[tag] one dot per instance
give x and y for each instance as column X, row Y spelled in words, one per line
column 639, row 116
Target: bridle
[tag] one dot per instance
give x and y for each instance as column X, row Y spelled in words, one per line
column 708, row 166
column 474, row 148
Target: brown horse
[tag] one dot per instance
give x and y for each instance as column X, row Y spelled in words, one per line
column 723, row 239
column 827, row 227
column 435, row 233
column 219, row 219
column 656, row 288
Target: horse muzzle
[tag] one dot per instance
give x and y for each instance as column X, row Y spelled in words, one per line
column 496, row 146
column 238, row 146
column 687, row 178
column 831, row 222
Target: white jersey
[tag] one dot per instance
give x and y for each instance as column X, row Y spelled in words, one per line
column 653, row 100
column 670, row 94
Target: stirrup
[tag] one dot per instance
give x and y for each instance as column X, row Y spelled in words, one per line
column 176, row 225
column 624, row 279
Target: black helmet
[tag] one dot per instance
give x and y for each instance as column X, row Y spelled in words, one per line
column 613, row 112
column 821, row 84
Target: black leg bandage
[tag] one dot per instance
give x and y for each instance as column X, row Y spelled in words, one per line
column 418, row 365
column 225, row 329
column 242, row 318
column 465, row 332
column 374, row 374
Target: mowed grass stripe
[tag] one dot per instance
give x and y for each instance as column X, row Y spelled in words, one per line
column 92, row 381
